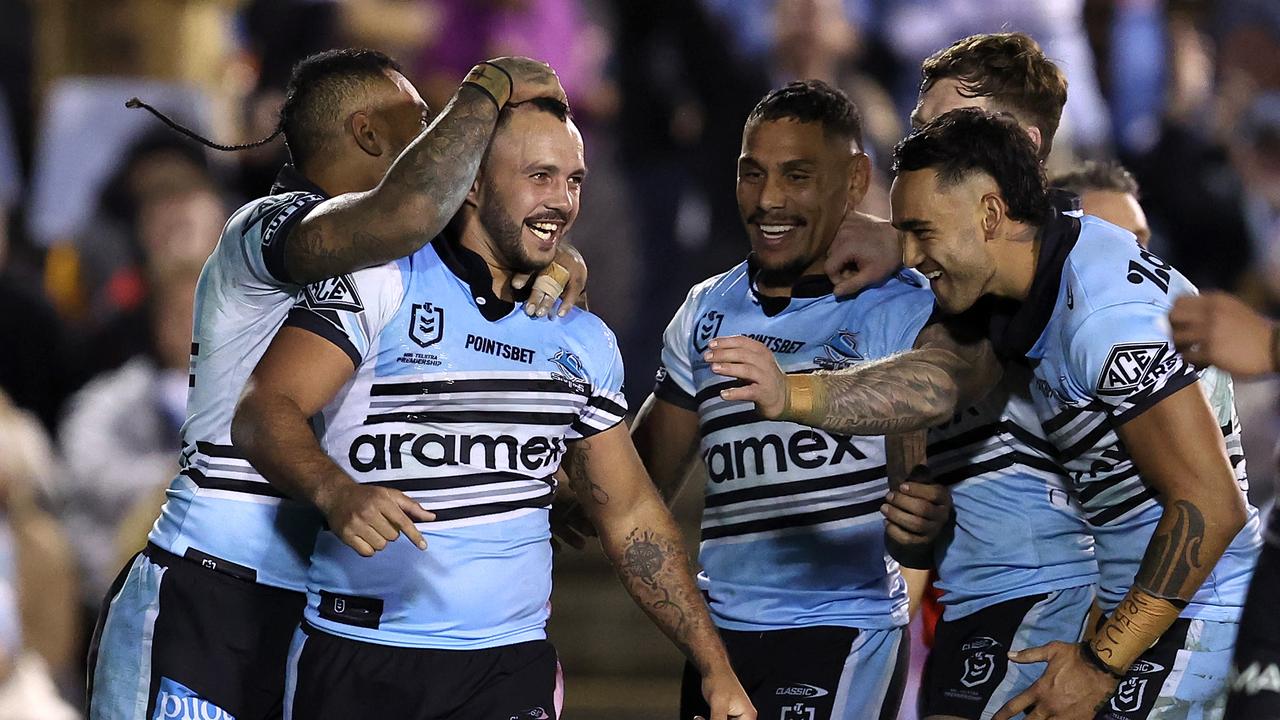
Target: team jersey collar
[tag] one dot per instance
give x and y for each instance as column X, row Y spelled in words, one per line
column 1057, row 238
column 290, row 180
column 472, row 270
column 1065, row 201
column 808, row 286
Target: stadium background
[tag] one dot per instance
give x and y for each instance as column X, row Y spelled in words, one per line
column 105, row 219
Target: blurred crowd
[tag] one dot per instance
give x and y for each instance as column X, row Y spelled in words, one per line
column 106, row 217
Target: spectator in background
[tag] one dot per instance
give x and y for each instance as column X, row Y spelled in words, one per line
column 120, row 439
column 1107, row 190
column 37, row 578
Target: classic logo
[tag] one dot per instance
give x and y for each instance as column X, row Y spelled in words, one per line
column 175, row 701
column 708, row 328
column 803, row 690
column 426, row 326
column 1127, row 366
column 839, row 351
column 981, row 662
column 799, row 711
column 537, row 713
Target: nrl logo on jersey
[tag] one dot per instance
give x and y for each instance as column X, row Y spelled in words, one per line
column 1129, row 695
column 839, row 351
column 707, row 329
column 334, row 294
column 426, row 325
column 980, row 665
column 574, row 375
column 1127, row 366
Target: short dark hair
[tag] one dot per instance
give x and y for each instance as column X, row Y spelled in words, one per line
column 317, row 88
column 545, row 104
column 961, row 142
column 1012, row 70
column 811, row 101
column 1107, row 175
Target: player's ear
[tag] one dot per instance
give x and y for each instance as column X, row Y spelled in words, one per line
column 360, row 125
column 473, row 195
column 859, row 179
column 1036, row 138
column 993, row 212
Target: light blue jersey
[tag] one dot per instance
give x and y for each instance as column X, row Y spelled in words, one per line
column 218, row 509
column 1017, row 532
column 1099, row 340
column 792, row 535
column 465, row 404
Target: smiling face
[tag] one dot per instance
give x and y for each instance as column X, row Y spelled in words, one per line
column 794, row 185
column 943, row 235
column 528, row 189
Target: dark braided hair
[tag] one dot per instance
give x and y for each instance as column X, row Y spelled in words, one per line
column 317, row 88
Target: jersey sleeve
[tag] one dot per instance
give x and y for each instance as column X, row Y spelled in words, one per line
column 606, row 406
column 1123, row 357
column 897, row 323
column 674, row 382
column 350, row 311
column 266, row 226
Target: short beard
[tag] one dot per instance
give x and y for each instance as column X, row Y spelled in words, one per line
column 784, row 276
column 505, row 234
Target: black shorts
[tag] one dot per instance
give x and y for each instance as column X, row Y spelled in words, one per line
column 813, row 673
column 335, row 678
column 1255, row 673
column 210, row 643
column 968, row 673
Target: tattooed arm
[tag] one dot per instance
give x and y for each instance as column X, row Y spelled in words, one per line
column 421, row 191
column 910, row 391
column 643, row 543
column 1178, row 449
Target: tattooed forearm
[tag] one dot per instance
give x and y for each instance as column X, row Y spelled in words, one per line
column 575, row 467
column 421, row 191
column 1175, row 565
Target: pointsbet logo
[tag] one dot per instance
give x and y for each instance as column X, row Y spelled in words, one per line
column 175, row 701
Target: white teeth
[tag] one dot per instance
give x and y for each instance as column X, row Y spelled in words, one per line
column 776, row 231
column 542, row 230
column 934, row 275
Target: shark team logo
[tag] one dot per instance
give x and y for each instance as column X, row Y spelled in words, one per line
column 1130, row 694
column 839, row 351
column 707, row 329
column 573, row 372
column 980, row 665
column 1127, row 366
column 426, row 327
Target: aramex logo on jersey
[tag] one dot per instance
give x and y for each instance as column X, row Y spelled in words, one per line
column 1127, row 365
column 334, row 294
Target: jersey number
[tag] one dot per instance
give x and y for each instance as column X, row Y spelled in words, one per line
column 1158, row 273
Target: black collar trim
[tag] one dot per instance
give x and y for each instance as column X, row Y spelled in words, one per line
column 471, row 269
column 1065, row 201
column 290, row 180
column 1057, row 238
column 808, row 286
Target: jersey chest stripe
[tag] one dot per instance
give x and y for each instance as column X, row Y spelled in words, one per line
column 1088, row 442
column 496, row 417
column 219, row 451
column 252, row 487
column 712, row 392
column 497, row 385
column 1094, row 489
column 472, row 511
column 455, row 481
column 731, row 420
column 968, row 437
column 1023, row 436
column 793, row 521
column 1124, row 508
column 995, row 464
column 797, row 487
column 775, row 507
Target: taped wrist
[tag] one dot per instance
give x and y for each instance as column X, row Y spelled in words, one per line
column 802, row 393
column 492, row 81
column 552, row 280
column 1135, row 625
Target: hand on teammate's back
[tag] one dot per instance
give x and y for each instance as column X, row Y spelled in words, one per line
column 1217, row 329
column 917, row 512
column 368, row 517
column 530, row 79
column 865, row 251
